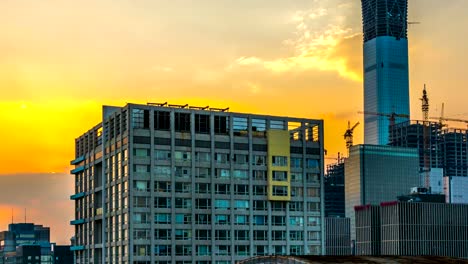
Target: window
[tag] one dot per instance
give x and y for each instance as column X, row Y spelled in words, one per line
column 141, row 250
column 162, row 218
column 183, row 172
column 141, row 168
column 162, row 171
column 222, row 189
column 183, row 250
column 261, row 250
column 280, row 190
column 295, row 250
column 296, row 221
column 162, row 154
column 162, row 120
column 241, row 159
column 183, row 218
column 162, row 234
column 241, row 204
column 202, row 173
column 203, row 219
column 312, row 164
column 259, row 175
column 182, row 122
column 277, row 124
column 223, row 250
column 202, row 187
column 241, row 189
column 296, row 162
column 313, row 235
column 296, row 177
column 260, row 220
column 259, row 205
column 141, row 152
column 241, row 220
column 259, row 190
column 202, row 203
column 162, row 186
column 183, row 234
column 221, row 124
column 258, row 125
column 162, row 202
column 142, row 202
column 183, row 187
column 313, row 178
column 202, row 124
column 163, row 250
column 241, row 234
column 280, row 175
column 313, row 221
column 223, row 234
column 242, row 250
column 203, row 157
column 141, row 186
column 278, row 235
column 140, row 118
column 278, row 220
column 203, row 250
column 296, row 235
column 241, row 174
column 223, row 174
column 297, row 191
column 313, row 192
column 222, row 204
column 279, row 161
column 296, row 206
column 221, row 158
column 259, row 160
column 141, row 218
column 184, row 203
column 260, row 235
column 239, row 125
column 313, row 207
column 278, row 206
column 182, row 156
column 222, row 219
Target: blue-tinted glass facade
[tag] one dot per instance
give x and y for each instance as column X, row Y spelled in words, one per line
column 386, row 78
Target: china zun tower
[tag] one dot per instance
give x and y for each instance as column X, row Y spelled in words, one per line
column 386, row 81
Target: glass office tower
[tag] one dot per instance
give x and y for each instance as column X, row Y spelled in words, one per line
column 386, row 81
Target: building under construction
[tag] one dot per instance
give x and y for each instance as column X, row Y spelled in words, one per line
column 335, row 190
column 446, row 148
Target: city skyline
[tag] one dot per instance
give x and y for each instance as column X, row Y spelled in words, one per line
column 59, row 74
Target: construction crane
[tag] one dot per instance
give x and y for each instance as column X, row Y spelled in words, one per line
column 391, row 116
column 348, row 135
column 449, row 119
column 426, row 130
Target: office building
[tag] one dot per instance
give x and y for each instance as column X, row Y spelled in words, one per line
column 375, row 174
column 337, row 236
column 413, row 229
column 456, row 190
column 386, row 81
column 28, row 243
column 162, row 183
column 335, row 190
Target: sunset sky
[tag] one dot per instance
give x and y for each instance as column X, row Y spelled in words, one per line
column 60, row 61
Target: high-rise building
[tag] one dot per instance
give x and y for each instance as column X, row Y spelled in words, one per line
column 337, row 236
column 181, row 184
column 375, row 174
column 335, row 190
column 386, row 81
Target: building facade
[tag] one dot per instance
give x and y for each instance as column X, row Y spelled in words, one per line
column 337, row 236
column 414, row 229
column 181, row 184
column 386, row 78
column 375, row 174
column 335, row 190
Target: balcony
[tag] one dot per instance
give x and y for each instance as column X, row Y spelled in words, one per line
column 78, row 196
column 77, row 170
column 77, row 222
column 77, row 160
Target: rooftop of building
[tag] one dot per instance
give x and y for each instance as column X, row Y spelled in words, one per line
column 353, row 259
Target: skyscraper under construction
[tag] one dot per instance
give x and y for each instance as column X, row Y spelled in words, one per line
column 386, row 81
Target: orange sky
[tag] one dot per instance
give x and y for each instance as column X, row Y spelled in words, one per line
column 61, row 60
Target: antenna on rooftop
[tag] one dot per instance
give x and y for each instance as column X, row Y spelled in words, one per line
column 12, row 215
column 25, row 215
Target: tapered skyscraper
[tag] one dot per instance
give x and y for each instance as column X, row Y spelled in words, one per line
column 386, row 81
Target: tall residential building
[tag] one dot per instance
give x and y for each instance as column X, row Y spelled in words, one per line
column 375, row 174
column 386, row 78
column 413, row 229
column 181, row 184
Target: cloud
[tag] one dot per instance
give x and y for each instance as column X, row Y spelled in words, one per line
column 319, row 32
